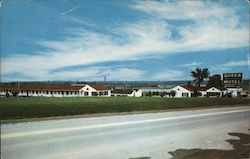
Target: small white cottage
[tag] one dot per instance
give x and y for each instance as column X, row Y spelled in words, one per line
column 181, row 91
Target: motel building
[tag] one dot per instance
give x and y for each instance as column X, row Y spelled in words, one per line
column 126, row 92
column 180, row 91
column 88, row 90
column 54, row 90
column 183, row 91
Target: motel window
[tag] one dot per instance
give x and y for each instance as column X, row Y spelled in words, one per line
column 86, row 93
column 67, row 92
column 100, row 93
column 47, row 92
column 21, row 91
column 106, row 93
column 51, row 92
column 184, row 94
column 62, row 92
column 213, row 94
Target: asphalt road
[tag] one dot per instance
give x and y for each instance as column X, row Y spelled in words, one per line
column 124, row 137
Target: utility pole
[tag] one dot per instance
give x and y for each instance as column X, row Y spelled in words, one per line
column 105, row 78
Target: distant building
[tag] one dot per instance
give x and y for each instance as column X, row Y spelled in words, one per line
column 127, row 92
column 54, row 90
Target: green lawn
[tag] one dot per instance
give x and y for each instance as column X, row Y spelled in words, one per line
column 33, row 107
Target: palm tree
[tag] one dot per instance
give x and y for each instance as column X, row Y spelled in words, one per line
column 199, row 75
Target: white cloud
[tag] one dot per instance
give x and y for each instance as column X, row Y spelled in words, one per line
column 98, row 73
column 215, row 27
column 227, row 66
column 199, row 11
column 70, row 10
column 124, row 74
column 193, row 64
column 90, row 73
column 168, row 75
column 235, row 63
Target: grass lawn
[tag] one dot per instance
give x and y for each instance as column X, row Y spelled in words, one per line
column 33, row 107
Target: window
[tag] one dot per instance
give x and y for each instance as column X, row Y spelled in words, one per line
column 94, row 94
column 106, row 92
column 62, row 92
column 87, row 88
column 67, row 92
column 213, row 93
column 51, row 92
column 184, row 94
column 47, row 92
column 86, row 93
column 100, row 93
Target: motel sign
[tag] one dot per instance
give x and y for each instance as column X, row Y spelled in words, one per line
column 232, row 78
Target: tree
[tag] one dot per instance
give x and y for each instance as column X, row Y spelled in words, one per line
column 199, row 75
column 215, row 81
column 172, row 93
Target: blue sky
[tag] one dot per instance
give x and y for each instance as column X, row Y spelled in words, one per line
column 124, row 40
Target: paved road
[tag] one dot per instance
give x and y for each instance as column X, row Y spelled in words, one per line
column 123, row 137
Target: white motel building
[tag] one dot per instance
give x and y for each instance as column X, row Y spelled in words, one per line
column 88, row 90
column 54, row 90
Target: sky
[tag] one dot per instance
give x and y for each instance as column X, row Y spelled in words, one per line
column 140, row 40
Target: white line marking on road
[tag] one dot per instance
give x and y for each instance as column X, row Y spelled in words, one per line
column 59, row 130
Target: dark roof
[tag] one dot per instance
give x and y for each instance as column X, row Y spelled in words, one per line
column 122, row 91
column 43, row 86
column 100, row 87
column 188, row 87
